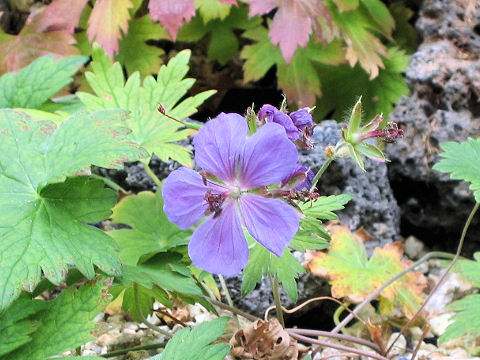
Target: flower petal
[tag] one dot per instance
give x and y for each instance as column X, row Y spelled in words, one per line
column 219, row 143
column 272, row 222
column 218, row 245
column 183, row 194
column 268, row 157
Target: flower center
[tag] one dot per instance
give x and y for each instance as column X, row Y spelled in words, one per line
column 215, row 202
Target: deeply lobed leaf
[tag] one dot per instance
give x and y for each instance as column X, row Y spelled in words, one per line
column 466, row 321
column 44, row 221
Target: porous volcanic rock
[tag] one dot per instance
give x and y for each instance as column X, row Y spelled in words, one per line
column 444, row 78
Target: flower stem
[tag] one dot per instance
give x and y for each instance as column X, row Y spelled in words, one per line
column 227, row 296
column 142, row 317
column 110, row 183
column 232, row 309
column 276, row 299
column 150, row 173
column 136, row 348
column 320, row 172
column 455, row 258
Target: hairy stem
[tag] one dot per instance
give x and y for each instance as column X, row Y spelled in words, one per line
column 136, row 348
column 150, row 173
column 109, row 183
column 232, row 309
column 367, row 354
column 276, row 299
column 328, row 334
column 320, row 172
column 227, row 296
column 455, row 258
column 142, row 317
column 372, row 296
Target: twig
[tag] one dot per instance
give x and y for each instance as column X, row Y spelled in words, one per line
column 232, row 309
column 386, row 284
column 337, row 346
column 328, row 334
column 136, row 348
column 142, row 317
column 227, row 296
column 174, row 319
column 426, row 329
column 455, row 258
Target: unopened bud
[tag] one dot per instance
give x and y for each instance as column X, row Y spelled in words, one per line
column 329, row 151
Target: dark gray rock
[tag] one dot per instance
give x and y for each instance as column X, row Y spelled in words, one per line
column 374, row 207
column 444, row 77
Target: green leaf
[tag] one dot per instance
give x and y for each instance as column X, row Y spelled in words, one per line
column 212, row 9
column 298, row 79
column 150, row 231
column 378, row 95
column 196, row 343
column 15, row 327
column 135, row 54
column 462, row 162
column 466, row 321
column 347, row 258
column 324, row 206
column 223, row 43
column 404, row 34
column 36, row 83
column 44, row 220
column 470, row 270
column 262, row 262
column 66, row 323
column 152, row 130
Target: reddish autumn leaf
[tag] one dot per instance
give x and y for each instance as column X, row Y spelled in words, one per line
column 353, row 275
column 47, row 31
column 229, row 2
column 108, row 17
column 172, row 13
column 293, row 22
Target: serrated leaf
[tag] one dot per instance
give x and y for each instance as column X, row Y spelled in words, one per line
column 404, row 34
column 462, row 162
column 107, row 19
column 44, row 221
column 378, row 95
column 299, row 79
column 15, row 326
column 150, row 231
column 150, row 129
column 47, row 31
column 262, row 262
column 66, row 323
column 466, row 320
column 223, row 43
column 469, row 270
column 324, row 206
column 196, row 343
column 212, row 9
column 135, row 54
column 172, row 13
column 352, row 275
column 35, row 84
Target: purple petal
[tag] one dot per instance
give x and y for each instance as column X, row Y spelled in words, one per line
column 302, row 118
column 183, row 194
column 272, row 222
column 218, row 245
column 270, row 113
column 219, row 143
column 268, row 157
column 308, row 179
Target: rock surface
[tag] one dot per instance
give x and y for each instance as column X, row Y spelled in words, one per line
column 444, row 77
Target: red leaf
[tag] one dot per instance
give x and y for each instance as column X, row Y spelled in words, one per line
column 229, row 2
column 108, row 17
column 260, row 7
column 60, row 15
column 172, row 13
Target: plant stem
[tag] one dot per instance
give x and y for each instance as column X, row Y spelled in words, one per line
column 276, row 299
column 455, row 258
column 367, row 354
column 373, row 295
column 136, row 348
column 328, row 334
column 110, row 183
column 227, row 296
column 232, row 309
column 338, row 312
column 150, row 173
column 320, row 172
column 142, row 317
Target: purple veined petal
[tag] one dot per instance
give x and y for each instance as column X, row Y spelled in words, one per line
column 308, row 179
column 218, row 245
column 302, row 118
column 268, row 157
column 272, row 222
column 270, row 113
column 218, row 145
column 184, row 197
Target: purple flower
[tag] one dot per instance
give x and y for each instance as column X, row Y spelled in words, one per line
column 303, row 120
column 270, row 113
column 235, row 172
column 301, row 178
